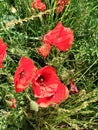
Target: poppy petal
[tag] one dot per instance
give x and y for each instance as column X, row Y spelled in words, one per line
column 44, row 102
column 45, row 82
column 60, row 95
column 60, row 37
column 3, row 47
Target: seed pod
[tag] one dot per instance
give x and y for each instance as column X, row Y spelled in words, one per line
column 33, row 106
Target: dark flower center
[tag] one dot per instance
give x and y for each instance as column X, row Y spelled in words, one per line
column 40, row 79
column 22, row 74
column 57, row 36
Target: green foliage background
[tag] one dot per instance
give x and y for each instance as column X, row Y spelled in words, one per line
column 80, row 63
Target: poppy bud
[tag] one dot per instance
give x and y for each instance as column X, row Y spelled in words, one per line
column 13, row 10
column 11, row 103
column 33, row 106
column 73, row 87
column 44, row 50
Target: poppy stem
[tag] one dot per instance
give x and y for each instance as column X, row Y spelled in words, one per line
column 28, row 97
column 20, row 21
column 87, row 70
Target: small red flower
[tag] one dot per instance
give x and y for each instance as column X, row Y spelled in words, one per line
column 38, row 4
column 24, row 74
column 3, row 47
column 44, row 50
column 61, row 94
column 60, row 37
column 73, row 87
column 48, row 88
column 61, row 4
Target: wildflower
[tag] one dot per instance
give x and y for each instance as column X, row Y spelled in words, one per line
column 44, row 50
column 38, row 4
column 73, row 87
column 60, row 37
column 3, row 47
column 45, row 82
column 24, row 74
column 61, row 4
column 47, row 87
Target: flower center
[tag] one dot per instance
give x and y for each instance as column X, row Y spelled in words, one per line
column 57, row 36
column 40, row 79
column 22, row 74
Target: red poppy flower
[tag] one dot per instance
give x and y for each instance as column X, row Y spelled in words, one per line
column 61, row 94
column 61, row 4
column 60, row 37
column 38, row 4
column 44, row 50
column 24, row 74
column 48, row 88
column 45, row 82
column 73, row 87
column 3, row 47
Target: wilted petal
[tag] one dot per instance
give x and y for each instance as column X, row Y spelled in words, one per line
column 44, row 50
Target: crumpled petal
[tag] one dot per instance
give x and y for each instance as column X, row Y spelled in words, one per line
column 44, row 50
column 60, row 37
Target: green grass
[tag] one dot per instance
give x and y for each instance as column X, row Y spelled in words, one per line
column 80, row 63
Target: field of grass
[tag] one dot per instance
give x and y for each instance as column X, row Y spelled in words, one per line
column 79, row 63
